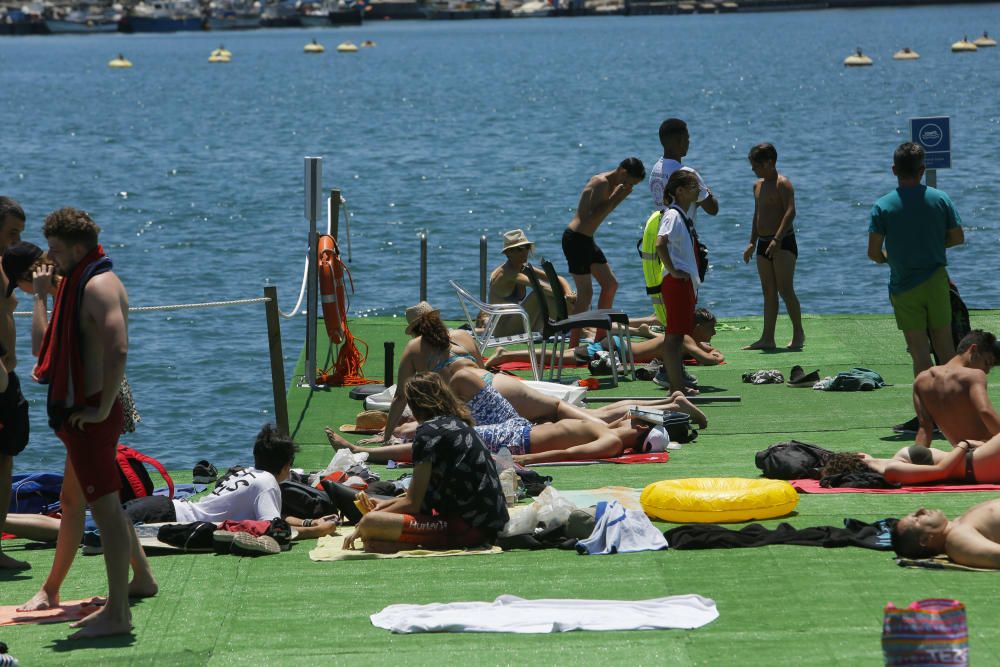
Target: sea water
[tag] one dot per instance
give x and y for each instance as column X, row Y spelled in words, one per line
column 462, row 129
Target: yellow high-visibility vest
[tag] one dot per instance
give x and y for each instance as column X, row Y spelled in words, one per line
column 652, row 267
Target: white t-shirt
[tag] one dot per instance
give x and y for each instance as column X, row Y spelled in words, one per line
column 249, row 495
column 659, row 176
column 679, row 245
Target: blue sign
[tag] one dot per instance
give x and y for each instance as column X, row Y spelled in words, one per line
column 934, row 134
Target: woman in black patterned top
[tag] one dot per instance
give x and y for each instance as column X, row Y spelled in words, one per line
column 454, row 499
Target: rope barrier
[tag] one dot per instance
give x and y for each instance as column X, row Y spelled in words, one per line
column 177, row 306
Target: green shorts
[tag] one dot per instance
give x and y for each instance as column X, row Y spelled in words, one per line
column 926, row 306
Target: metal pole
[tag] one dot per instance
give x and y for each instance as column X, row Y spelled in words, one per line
column 693, row 399
column 423, row 267
column 277, row 361
column 390, row 349
column 482, row 268
column 314, row 196
column 930, row 178
column 333, row 214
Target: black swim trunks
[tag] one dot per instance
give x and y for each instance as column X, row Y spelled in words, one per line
column 787, row 243
column 581, row 252
column 970, row 471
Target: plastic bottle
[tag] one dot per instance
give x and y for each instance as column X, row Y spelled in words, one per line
column 508, row 476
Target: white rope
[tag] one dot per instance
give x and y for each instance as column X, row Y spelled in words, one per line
column 302, row 292
column 177, row 306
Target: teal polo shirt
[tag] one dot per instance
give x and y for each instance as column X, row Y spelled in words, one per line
column 914, row 222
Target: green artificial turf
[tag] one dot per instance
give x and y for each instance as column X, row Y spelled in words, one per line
column 780, row 605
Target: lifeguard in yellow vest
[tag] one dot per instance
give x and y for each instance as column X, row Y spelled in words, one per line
column 652, row 267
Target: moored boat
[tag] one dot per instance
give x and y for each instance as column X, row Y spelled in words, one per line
column 83, row 20
column 233, row 15
column 160, row 16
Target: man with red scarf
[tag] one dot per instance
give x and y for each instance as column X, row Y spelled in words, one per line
column 82, row 360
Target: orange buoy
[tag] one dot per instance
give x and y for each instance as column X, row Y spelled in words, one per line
column 331, row 289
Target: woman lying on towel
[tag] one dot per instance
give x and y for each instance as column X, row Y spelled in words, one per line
column 499, row 425
column 454, row 499
column 436, row 349
column 971, row 461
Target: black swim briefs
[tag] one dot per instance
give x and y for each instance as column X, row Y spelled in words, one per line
column 970, row 471
column 787, row 243
column 581, row 252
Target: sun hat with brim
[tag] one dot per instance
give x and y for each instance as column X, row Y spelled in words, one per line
column 17, row 259
column 413, row 313
column 515, row 238
column 369, row 421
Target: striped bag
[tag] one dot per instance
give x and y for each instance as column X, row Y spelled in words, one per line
column 928, row 633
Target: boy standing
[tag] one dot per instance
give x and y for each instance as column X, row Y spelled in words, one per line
column 772, row 237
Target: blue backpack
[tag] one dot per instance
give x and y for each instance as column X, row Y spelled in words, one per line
column 35, row 493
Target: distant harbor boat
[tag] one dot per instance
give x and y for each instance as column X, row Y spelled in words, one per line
column 83, row 19
column 161, row 16
column 463, row 9
column 233, row 15
column 280, row 15
column 393, row 9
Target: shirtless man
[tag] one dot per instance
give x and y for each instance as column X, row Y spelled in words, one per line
column 11, row 225
column 954, row 395
column 972, row 539
column 603, row 193
column 772, row 236
column 84, row 377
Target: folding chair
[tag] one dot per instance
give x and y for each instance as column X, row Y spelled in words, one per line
column 485, row 339
column 618, row 317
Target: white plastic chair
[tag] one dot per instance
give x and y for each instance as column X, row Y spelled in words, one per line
column 485, row 339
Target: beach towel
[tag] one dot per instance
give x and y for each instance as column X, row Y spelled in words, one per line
column 628, row 497
column 330, row 548
column 60, row 363
column 509, row 613
column 72, row 610
column 813, row 486
column 572, row 394
column 649, row 457
column 854, row 534
column 619, row 530
column 525, row 366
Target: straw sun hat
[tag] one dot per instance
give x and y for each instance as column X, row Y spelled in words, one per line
column 417, row 311
column 515, row 238
column 369, row 421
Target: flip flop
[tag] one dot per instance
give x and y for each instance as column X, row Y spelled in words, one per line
column 799, row 378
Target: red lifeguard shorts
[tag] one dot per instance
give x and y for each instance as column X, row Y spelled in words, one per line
column 679, row 302
column 91, row 451
column 439, row 531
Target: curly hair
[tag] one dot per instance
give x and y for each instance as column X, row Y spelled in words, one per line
column 843, row 462
column 428, row 397
column 432, row 330
column 72, row 226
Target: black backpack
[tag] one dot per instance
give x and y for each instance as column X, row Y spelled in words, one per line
column 304, row 501
column 792, row 460
column 678, row 425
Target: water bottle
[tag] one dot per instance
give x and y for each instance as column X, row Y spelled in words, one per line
column 508, row 476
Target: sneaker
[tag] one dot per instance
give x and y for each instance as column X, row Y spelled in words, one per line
column 911, row 427
column 204, row 473
column 649, row 371
column 245, row 544
column 92, row 543
column 690, row 381
column 222, row 541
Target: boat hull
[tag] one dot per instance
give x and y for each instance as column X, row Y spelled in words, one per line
column 145, row 24
column 57, row 27
column 233, row 23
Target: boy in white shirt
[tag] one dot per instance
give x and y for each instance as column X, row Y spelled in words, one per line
column 679, row 289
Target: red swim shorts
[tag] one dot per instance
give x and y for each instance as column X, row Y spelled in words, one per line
column 91, row 451
column 439, row 532
column 679, row 301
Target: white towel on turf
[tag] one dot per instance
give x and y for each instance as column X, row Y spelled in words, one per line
column 619, row 531
column 509, row 613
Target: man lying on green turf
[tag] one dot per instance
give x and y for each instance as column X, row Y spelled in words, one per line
column 972, row 461
column 972, row 539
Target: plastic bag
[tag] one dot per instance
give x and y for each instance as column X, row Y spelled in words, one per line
column 343, row 460
column 553, row 509
column 522, row 521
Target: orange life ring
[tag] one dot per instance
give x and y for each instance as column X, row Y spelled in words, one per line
column 331, row 289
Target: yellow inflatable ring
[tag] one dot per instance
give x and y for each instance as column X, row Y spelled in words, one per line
column 718, row 499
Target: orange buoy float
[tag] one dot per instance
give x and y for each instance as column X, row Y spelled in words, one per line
column 331, row 288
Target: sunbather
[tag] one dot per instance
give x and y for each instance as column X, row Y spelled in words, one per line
column 499, row 425
column 454, row 498
column 434, row 348
column 697, row 346
column 972, row 539
column 251, row 494
column 970, row 461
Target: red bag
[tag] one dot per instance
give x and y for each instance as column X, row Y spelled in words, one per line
column 136, row 482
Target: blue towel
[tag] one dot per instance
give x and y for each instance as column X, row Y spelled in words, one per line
column 618, row 530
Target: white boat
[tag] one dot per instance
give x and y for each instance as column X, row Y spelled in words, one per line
column 532, row 9
column 233, row 15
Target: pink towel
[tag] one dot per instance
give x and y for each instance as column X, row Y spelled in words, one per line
column 72, row 610
column 812, row 486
